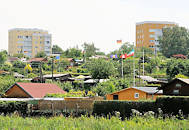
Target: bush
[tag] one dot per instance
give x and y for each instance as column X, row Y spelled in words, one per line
column 8, row 107
column 172, row 104
column 124, row 107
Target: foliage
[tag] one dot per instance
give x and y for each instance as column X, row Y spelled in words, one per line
column 89, row 49
column 18, row 64
column 3, row 56
column 32, row 75
column 6, row 66
column 92, row 123
column 5, row 83
column 72, row 94
column 124, row 107
column 177, row 66
column 56, row 49
column 40, row 54
column 175, row 40
column 72, row 53
column 109, row 86
column 8, row 107
column 101, row 69
column 19, row 55
column 179, row 103
column 181, row 76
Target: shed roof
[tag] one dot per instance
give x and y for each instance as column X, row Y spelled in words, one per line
column 149, row 90
column 39, row 90
column 37, row 59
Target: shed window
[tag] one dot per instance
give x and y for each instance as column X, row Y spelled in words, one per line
column 115, row 97
column 178, row 85
column 136, row 95
column 176, row 91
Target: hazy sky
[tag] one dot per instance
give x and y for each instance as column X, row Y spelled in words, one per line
column 73, row 22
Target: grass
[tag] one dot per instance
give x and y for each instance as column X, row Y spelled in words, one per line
column 91, row 123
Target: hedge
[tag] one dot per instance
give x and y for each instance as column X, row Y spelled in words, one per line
column 124, row 107
column 8, row 107
column 170, row 105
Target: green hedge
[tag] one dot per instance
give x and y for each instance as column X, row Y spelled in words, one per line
column 124, row 107
column 8, row 107
column 172, row 104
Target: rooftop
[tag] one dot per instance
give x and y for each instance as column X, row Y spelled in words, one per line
column 27, row 29
column 155, row 22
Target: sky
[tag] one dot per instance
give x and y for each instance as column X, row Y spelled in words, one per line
column 102, row 22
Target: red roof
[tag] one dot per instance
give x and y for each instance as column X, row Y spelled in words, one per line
column 39, row 90
column 37, row 59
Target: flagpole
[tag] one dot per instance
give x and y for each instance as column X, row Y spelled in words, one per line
column 133, row 66
column 143, row 63
column 122, row 68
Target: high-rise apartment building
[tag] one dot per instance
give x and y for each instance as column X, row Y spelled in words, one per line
column 29, row 41
column 147, row 33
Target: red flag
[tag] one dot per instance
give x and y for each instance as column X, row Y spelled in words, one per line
column 119, row 41
column 123, row 56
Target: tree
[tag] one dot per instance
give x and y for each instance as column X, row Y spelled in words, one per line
column 56, row 49
column 3, row 57
column 72, row 53
column 175, row 40
column 89, row 49
column 101, row 69
column 40, row 54
column 177, row 66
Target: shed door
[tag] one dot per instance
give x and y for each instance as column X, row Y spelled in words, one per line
column 115, row 97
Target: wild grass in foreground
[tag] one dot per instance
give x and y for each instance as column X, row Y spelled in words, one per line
column 91, row 123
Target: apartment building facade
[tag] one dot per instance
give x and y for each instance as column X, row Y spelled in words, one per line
column 29, row 41
column 148, row 32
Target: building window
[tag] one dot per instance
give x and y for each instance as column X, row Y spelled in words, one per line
column 115, row 97
column 178, row 85
column 176, row 91
column 136, row 95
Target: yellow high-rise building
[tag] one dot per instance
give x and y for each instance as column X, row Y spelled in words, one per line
column 29, row 41
column 147, row 33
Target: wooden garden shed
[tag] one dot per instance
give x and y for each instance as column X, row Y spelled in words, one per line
column 135, row 93
column 176, row 87
column 32, row 90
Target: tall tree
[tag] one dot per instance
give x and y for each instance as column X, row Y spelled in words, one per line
column 72, row 53
column 101, row 69
column 90, row 49
column 56, row 49
column 3, row 56
column 175, row 40
column 40, row 54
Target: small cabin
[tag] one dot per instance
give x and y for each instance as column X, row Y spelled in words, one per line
column 176, row 87
column 135, row 93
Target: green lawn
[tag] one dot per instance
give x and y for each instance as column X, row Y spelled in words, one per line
column 59, row 123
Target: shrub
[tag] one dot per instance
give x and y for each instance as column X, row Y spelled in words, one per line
column 172, row 104
column 124, row 107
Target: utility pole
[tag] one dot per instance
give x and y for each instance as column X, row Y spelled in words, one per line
column 143, row 63
column 52, row 67
column 133, row 66
column 122, row 67
column 41, row 76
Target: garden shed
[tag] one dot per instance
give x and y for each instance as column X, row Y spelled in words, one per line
column 32, row 90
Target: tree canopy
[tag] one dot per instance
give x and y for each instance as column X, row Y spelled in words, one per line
column 89, row 49
column 56, row 49
column 175, row 40
column 101, row 69
column 40, row 54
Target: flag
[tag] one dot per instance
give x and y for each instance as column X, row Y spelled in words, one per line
column 123, row 56
column 113, row 56
column 57, row 57
column 131, row 53
column 28, row 67
column 119, row 41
